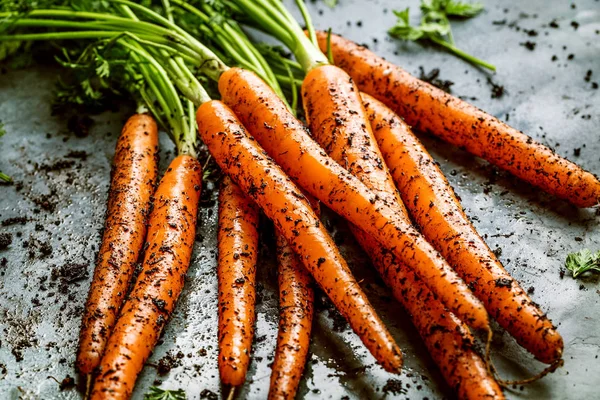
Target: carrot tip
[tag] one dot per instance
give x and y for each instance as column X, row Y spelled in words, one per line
column 88, row 386
column 231, row 394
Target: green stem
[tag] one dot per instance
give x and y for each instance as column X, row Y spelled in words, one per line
column 5, row 178
column 308, row 22
column 276, row 20
column 168, row 11
column 210, row 64
column 286, row 80
column 466, row 56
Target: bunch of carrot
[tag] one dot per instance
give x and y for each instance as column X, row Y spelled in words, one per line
column 359, row 158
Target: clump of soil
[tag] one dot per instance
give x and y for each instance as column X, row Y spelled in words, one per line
column 5, row 240
column 57, row 166
column 497, row 90
column 168, row 362
column 432, row 77
column 14, row 221
column 68, row 274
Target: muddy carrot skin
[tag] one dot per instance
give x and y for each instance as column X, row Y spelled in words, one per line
column 236, row 272
column 171, row 232
column 296, row 309
column 261, row 179
column 439, row 215
column 287, row 140
column 432, row 110
column 133, row 181
column 447, row 339
column 333, row 108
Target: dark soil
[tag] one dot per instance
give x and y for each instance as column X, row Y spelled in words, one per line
column 5, row 240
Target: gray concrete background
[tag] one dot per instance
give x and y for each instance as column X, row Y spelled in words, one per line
column 41, row 294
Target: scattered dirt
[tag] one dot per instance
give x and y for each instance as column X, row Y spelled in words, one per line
column 14, row 221
column 78, row 154
column 208, row 394
column 432, row 77
column 394, row 386
column 5, row 240
column 37, row 248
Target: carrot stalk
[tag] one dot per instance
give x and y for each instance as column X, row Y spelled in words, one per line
column 439, row 215
column 236, row 272
column 171, row 233
column 132, row 184
column 296, row 302
column 287, row 141
column 262, row 180
column 432, row 110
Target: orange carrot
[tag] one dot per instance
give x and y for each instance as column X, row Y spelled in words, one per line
column 133, row 181
column 332, row 102
column 439, row 215
column 236, row 272
column 171, row 232
column 432, row 110
column 262, row 180
column 288, row 142
column 448, row 340
column 296, row 298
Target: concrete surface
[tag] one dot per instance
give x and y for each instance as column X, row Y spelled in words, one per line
column 49, row 264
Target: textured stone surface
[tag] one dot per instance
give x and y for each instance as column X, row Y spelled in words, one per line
column 42, row 294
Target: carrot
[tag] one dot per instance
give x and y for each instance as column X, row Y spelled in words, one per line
column 171, row 232
column 286, row 139
column 326, row 95
column 296, row 301
column 432, row 110
column 236, row 272
column 447, row 339
column 262, row 180
column 440, row 216
column 133, row 181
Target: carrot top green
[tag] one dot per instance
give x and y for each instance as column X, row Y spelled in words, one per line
column 273, row 18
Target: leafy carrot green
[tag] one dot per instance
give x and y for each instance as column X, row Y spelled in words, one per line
column 583, row 261
column 156, row 393
column 435, row 26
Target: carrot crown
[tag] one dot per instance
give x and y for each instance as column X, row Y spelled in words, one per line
column 273, row 18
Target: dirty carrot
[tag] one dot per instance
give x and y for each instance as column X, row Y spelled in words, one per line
column 171, row 233
column 287, row 140
column 296, row 308
column 330, row 102
column 447, row 339
column 132, row 185
column 432, row 110
column 439, row 215
column 240, row 156
column 236, row 273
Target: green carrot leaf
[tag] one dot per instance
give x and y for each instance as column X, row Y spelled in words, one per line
column 583, row 261
column 461, row 9
column 156, row 393
column 403, row 29
column 435, row 26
